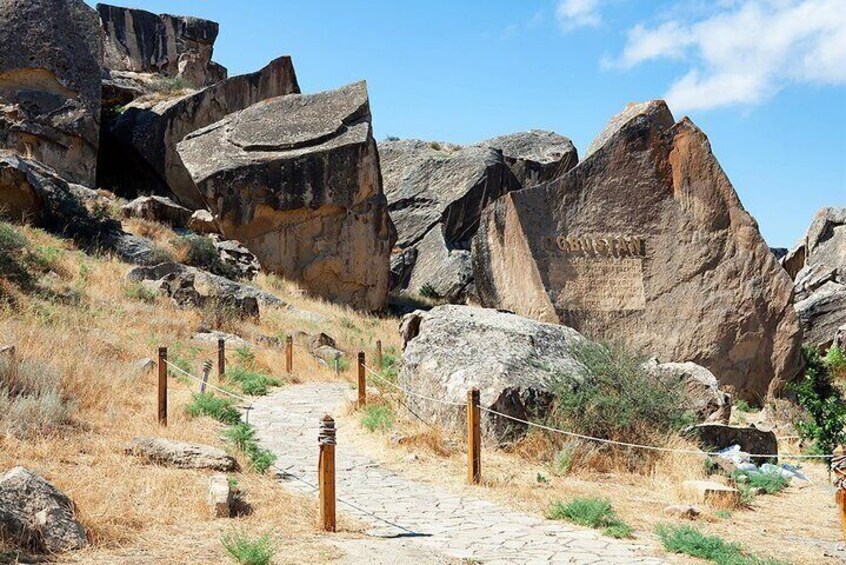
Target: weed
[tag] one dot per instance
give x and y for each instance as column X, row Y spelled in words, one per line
column 428, row 291
column 243, row 436
column 246, row 551
column 690, row 541
column 435, row 145
column 824, row 405
column 246, row 356
column 770, row 483
column 32, row 400
column 743, row 406
column 252, row 382
column 221, row 409
column 137, row 291
column 723, row 514
column 200, row 252
column 835, row 359
column 261, row 459
column 170, row 85
column 564, row 458
column 591, row 512
column 377, row 417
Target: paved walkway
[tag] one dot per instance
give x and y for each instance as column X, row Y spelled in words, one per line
column 425, row 519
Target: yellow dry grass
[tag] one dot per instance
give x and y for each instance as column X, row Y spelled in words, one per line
column 133, row 512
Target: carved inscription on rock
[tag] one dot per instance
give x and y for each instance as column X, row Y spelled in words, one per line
column 599, row 273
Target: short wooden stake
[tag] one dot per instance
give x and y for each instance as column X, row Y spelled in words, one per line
column 379, row 354
column 221, row 357
column 326, row 473
column 362, row 382
column 207, row 367
column 163, row 386
column 337, row 362
column 289, row 354
column 474, row 438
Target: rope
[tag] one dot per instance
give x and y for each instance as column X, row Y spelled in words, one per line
column 208, row 384
column 586, row 437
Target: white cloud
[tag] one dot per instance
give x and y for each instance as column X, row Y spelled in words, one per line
column 746, row 51
column 572, row 14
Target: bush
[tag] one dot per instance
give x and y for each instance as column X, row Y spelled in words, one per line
column 207, row 404
column 254, row 383
column 690, row 541
column 32, row 400
column 243, row 435
column 259, row 551
column 137, row 291
column 835, row 359
column 823, row 402
column 591, row 512
column 770, row 483
column 428, row 291
column 170, row 85
column 614, row 397
column 19, row 264
column 200, row 252
column 377, row 417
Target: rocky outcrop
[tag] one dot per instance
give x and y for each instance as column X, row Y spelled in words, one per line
column 238, row 257
column 818, row 267
column 646, row 241
column 511, row 360
column 296, row 180
column 181, row 455
column 433, row 187
column 148, row 131
column 202, row 221
column 51, row 57
column 173, row 46
column 35, row 515
column 705, row 400
column 157, row 209
column 535, row 156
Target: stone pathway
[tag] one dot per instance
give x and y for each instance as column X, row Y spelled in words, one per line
column 414, row 518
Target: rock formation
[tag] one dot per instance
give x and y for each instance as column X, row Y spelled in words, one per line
column 645, row 241
column 51, row 57
column 181, row 455
column 36, row 515
column 157, row 209
column 818, row 267
column 296, row 180
column 437, row 191
column 174, row 46
column 148, row 131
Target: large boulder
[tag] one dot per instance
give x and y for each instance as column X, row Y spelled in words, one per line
column 511, row 360
column 157, row 209
column 296, row 180
column 436, row 193
column 705, row 400
column 51, row 56
column 646, row 242
column 172, row 46
column 181, row 455
column 149, row 130
column 818, row 267
column 536, row 156
column 36, row 515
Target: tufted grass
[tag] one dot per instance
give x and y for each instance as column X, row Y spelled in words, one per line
column 594, row 513
column 249, row 551
column 688, row 540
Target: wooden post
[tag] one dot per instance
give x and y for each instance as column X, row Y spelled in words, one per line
column 163, row 386
column 362, row 382
column 337, row 362
column 207, row 367
column 379, row 354
column 474, row 438
column 326, row 472
column 221, row 357
column 840, row 498
column 289, row 354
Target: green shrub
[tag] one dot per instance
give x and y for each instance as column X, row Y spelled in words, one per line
column 254, row 383
column 435, row 145
column 564, row 459
column 769, row 482
column 170, row 85
column 137, row 291
column 243, row 435
column 261, row 459
column 200, row 252
column 591, row 512
column 835, row 359
column 32, row 400
column 614, row 397
column 19, row 264
column 428, row 291
column 377, row 417
column 246, row 551
column 742, row 406
column 207, row 404
column 823, row 402
column 690, row 541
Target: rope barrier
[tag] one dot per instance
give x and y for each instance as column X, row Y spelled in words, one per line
column 208, row 384
column 586, row 437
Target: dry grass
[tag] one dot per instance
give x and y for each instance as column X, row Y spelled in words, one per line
column 137, row 513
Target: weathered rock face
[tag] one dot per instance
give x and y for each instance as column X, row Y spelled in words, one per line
column 51, row 56
column 157, row 209
column 434, row 187
column 36, row 515
column 510, row 359
column 645, row 241
column 818, row 267
column 705, row 399
column 150, row 131
column 296, row 180
column 237, row 256
column 142, row 42
column 181, row 455
column 536, row 156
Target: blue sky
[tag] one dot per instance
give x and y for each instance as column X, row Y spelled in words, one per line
column 766, row 80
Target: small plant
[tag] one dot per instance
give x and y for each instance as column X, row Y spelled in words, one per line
column 835, row 359
column 769, row 482
column 391, row 138
column 428, row 291
column 31, row 399
column 170, row 85
column 261, row 459
column 246, row 551
column 690, row 541
column 243, row 436
column 723, row 514
column 435, row 145
column 200, row 252
column 137, row 291
column 564, row 458
column 591, row 512
column 823, row 403
column 254, row 383
column 743, row 406
column 377, row 417
column 246, row 356
column 221, row 409
column 541, row 479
